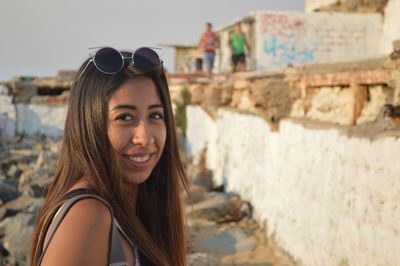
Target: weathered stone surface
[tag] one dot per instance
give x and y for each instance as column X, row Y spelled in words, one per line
column 196, row 92
column 14, row 171
column 202, row 178
column 197, row 194
column 34, row 183
column 7, row 192
column 229, row 242
column 241, row 84
column 18, row 236
column 202, row 259
column 4, row 90
column 396, row 46
column 19, row 204
column 216, row 207
column 3, row 251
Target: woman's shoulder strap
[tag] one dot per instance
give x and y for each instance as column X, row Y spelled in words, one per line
column 115, row 253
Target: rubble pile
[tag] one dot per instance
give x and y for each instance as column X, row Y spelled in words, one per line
column 26, row 169
column 221, row 228
column 220, row 225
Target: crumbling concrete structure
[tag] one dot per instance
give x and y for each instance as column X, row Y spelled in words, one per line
column 312, row 149
column 34, row 106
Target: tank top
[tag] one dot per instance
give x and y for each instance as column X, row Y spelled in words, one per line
column 116, row 256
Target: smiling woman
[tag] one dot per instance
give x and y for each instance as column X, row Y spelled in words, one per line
column 115, row 197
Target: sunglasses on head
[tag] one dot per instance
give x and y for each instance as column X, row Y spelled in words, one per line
column 109, row 60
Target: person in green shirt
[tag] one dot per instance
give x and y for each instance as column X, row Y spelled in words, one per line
column 237, row 44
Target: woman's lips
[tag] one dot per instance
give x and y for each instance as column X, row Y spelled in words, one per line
column 138, row 161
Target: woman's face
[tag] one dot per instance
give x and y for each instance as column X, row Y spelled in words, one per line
column 136, row 128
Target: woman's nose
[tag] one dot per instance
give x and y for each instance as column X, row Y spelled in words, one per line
column 142, row 135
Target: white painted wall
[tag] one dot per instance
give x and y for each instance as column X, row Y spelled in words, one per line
column 327, row 198
column 33, row 119
column 391, row 26
column 7, row 114
column 294, row 38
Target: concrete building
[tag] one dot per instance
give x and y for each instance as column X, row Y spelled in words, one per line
column 281, row 39
column 187, row 57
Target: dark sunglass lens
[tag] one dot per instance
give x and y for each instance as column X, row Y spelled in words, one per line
column 108, row 60
column 146, row 57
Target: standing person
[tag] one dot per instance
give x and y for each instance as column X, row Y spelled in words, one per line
column 115, row 197
column 209, row 42
column 237, row 44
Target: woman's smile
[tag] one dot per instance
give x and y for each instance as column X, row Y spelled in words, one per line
column 139, row 161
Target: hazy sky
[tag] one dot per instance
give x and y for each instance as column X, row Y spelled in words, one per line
column 38, row 37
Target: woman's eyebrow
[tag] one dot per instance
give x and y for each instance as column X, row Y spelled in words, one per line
column 124, row 106
column 132, row 107
column 156, row 106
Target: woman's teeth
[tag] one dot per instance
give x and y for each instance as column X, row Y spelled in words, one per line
column 139, row 159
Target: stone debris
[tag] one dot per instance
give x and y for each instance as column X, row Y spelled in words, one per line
column 26, row 169
column 221, row 229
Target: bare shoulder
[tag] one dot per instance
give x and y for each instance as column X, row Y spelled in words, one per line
column 82, row 237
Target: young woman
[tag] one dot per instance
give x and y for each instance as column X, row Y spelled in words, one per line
column 115, row 198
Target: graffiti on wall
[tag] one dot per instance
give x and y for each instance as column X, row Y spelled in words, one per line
column 293, row 39
column 282, row 40
column 284, row 53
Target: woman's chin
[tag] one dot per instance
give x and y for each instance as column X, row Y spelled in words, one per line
column 135, row 179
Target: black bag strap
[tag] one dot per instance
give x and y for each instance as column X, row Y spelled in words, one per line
column 116, row 256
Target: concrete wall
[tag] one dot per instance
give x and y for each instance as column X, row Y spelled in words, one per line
column 326, row 198
column 7, row 114
column 185, row 59
column 33, row 119
column 30, row 119
column 292, row 38
column 391, row 26
column 336, row 105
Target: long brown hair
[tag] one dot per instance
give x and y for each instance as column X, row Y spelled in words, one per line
column 157, row 226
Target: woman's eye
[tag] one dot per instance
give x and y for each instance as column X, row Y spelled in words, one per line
column 157, row 116
column 124, row 117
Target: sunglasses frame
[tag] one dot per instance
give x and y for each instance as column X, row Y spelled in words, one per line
column 157, row 50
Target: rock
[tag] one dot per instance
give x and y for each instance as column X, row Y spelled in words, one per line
column 18, row 234
column 215, row 207
column 396, row 46
column 229, row 242
column 199, row 230
column 3, row 225
column 7, row 191
column 3, row 251
column 45, row 160
column 19, row 204
column 197, row 194
column 246, row 209
column 6, row 212
column 33, row 191
column 197, row 93
column 4, row 90
column 14, row 171
column 36, row 206
column 202, row 259
column 201, row 177
column 34, row 182
column 241, row 84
